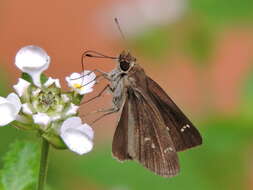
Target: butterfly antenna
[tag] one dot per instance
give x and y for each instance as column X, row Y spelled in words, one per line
column 119, row 28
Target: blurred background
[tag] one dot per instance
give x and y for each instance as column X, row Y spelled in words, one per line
column 199, row 51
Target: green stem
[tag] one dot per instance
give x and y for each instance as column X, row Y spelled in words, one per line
column 43, row 164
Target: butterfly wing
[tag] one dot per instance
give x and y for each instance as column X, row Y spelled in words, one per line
column 141, row 135
column 182, row 131
column 120, row 139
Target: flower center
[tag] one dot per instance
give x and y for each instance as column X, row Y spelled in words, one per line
column 78, row 86
column 48, row 99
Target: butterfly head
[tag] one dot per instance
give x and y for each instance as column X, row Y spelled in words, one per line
column 126, row 61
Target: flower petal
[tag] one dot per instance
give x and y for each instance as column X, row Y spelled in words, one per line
column 36, row 92
column 51, row 81
column 72, row 109
column 70, row 122
column 59, row 108
column 85, row 128
column 26, row 109
column 77, row 136
column 74, row 78
column 41, row 119
column 76, row 122
column 15, row 101
column 88, row 76
column 87, row 88
column 55, row 117
column 21, row 86
column 82, row 83
column 3, row 100
column 65, row 98
column 8, row 109
column 77, row 141
column 32, row 60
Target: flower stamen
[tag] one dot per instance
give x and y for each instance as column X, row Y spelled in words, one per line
column 78, row 86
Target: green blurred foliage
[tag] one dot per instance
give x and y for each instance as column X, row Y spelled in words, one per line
column 153, row 43
column 223, row 12
column 198, row 43
column 3, row 84
column 247, row 96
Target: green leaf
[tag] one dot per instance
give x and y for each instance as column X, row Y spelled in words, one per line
column 20, row 167
column 77, row 98
column 54, row 140
column 26, row 77
column 43, row 78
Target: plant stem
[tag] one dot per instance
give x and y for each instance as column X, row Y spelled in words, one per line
column 43, row 164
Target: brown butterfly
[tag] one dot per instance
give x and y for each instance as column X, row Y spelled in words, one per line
column 151, row 128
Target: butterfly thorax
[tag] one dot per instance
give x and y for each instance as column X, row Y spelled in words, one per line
column 121, row 77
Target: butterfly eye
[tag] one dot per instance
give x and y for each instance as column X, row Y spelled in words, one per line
column 124, row 65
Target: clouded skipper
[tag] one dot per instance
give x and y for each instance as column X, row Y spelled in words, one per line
column 151, row 128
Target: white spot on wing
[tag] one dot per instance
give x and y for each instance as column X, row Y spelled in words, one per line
column 169, row 149
column 166, row 150
column 146, row 139
column 185, row 127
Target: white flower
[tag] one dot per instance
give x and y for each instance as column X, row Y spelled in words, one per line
column 82, row 83
column 59, row 108
column 56, row 117
column 41, row 119
column 36, row 92
column 32, row 60
column 26, row 109
column 65, row 98
column 21, row 86
column 77, row 136
column 51, row 81
column 9, row 108
column 72, row 109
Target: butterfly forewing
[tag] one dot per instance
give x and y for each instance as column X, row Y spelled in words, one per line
column 182, row 131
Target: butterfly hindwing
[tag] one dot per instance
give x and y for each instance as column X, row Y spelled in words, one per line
column 120, row 138
column 148, row 140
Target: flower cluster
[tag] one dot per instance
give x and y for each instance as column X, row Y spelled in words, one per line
column 39, row 103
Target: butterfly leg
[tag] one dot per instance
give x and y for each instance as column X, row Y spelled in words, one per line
column 99, row 111
column 109, row 112
column 96, row 79
column 102, row 73
column 98, row 95
column 106, row 112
